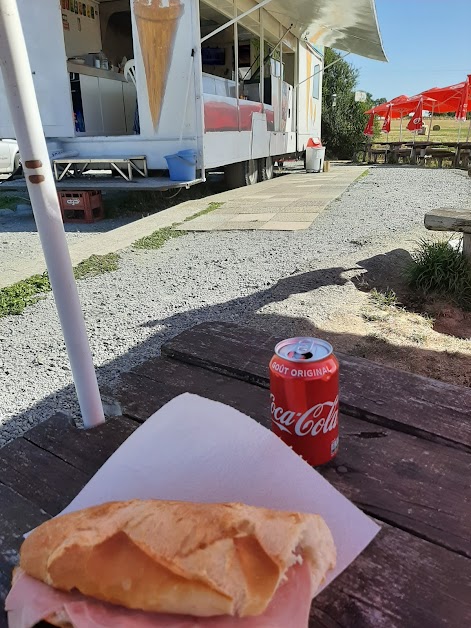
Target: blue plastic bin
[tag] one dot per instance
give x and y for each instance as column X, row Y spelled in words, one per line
column 182, row 165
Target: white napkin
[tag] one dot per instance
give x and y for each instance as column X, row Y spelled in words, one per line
column 194, row 449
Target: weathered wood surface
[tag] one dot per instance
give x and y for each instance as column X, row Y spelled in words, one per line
column 40, row 477
column 417, row 405
column 385, row 472
column 17, row 515
column 415, row 573
column 448, row 219
column 86, row 450
column 144, row 390
column 399, row 581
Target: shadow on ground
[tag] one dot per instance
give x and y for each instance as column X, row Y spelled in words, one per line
column 246, row 311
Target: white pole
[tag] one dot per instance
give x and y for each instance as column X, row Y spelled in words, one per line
column 400, row 128
column 430, row 124
column 19, row 89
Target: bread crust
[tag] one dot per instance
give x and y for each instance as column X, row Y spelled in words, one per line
column 178, row 557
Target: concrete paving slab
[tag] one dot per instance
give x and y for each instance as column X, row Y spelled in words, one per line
column 276, row 225
column 251, row 225
column 297, row 216
column 252, row 217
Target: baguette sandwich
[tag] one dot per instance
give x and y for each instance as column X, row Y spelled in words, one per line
column 152, row 563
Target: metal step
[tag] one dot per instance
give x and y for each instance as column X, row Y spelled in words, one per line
column 124, row 166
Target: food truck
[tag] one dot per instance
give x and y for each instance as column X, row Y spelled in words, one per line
column 161, row 91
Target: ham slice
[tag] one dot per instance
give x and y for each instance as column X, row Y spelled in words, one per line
column 31, row 601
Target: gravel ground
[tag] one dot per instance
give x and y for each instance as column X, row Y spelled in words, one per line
column 262, row 278
column 18, row 234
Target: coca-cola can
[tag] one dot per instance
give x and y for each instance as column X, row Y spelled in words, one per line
column 304, row 395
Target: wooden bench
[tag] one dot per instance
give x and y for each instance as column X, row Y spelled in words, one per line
column 374, row 153
column 439, row 154
column 400, row 152
column 448, row 219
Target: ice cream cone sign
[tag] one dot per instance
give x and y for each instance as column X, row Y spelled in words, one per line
column 416, row 122
column 369, row 125
column 157, row 23
column 386, row 128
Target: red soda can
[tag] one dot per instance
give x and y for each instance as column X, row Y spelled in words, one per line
column 304, row 395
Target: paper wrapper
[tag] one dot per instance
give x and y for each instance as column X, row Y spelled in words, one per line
column 157, row 23
column 194, row 449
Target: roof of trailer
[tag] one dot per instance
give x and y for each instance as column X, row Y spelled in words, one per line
column 343, row 24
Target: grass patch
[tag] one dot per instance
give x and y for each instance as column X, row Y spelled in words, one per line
column 9, row 201
column 158, row 238
column 438, row 268
column 14, row 299
column 210, row 208
column 448, row 132
column 370, row 317
column 362, row 175
column 384, row 299
column 96, row 265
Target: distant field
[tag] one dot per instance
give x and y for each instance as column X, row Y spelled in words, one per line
column 448, row 131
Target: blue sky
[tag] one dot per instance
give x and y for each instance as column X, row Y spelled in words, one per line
column 427, row 42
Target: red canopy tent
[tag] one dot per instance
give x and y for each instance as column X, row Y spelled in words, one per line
column 369, row 130
column 452, row 98
column 386, row 128
column 382, row 110
column 401, row 106
column 437, row 100
column 448, row 98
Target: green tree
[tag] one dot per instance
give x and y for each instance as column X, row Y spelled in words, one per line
column 343, row 119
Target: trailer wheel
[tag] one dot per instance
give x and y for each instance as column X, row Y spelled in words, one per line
column 17, row 168
column 240, row 174
column 266, row 169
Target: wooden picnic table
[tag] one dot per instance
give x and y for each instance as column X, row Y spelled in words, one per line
column 404, row 459
column 459, row 151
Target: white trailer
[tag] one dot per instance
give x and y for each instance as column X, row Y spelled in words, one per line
column 239, row 82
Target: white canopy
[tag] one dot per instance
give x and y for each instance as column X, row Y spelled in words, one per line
column 349, row 25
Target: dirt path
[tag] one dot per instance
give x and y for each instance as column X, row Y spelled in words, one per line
column 369, row 311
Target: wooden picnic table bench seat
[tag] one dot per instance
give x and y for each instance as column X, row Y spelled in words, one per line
column 449, row 219
column 375, row 152
column 439, row 154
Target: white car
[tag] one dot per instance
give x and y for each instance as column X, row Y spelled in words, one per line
column 9, row 156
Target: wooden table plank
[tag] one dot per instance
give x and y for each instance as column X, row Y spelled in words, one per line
column 40, row 477
column 397, row 399
column 399, row 581
column 418, row 486
column 145, row 389
column 86, row 450
column 387, row 473
column 17, row 515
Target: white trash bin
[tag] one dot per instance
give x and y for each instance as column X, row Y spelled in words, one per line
column 315, row 158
